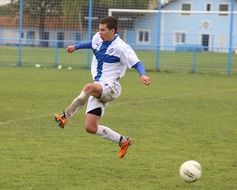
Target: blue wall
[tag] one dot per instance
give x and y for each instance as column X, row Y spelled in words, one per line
column 218, row 29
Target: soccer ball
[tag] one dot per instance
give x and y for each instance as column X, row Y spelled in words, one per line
column 190, row 171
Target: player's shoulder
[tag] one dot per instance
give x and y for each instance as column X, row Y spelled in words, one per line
column 121, row 44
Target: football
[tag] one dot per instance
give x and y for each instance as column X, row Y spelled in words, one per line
column 190, row 171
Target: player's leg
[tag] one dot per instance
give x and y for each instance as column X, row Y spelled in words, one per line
column 90, row 89
column 92, row 126
column 95, row 109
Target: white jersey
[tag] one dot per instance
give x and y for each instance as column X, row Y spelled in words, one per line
column 111, row 58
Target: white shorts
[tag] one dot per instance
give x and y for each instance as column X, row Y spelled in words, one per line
column 110, row 91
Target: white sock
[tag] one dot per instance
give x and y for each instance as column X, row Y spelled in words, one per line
column 76, row 104
column 109, row 134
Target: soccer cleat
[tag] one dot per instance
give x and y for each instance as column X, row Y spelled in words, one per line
column 124, row 147
column 61, row 119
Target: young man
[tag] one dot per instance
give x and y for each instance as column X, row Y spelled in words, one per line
column 111, row 58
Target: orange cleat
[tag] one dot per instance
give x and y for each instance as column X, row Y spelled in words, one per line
column 61, row 119
column 124, row 147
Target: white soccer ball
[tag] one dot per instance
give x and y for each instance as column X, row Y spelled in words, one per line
column 190, row 171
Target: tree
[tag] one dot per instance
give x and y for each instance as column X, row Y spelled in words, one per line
column 124, row 4
column 9, row 9
column 72, row 10
column 39, row 10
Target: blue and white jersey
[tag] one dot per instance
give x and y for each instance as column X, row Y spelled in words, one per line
column 111, row 58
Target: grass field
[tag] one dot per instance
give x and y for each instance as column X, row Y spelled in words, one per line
column 179, row 117
column 169, row 61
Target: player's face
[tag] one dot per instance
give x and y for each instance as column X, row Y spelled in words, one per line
column 105, row 33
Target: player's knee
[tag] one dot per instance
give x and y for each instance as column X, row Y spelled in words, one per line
column 90, row 128
column 93, row 89
column 88, row 88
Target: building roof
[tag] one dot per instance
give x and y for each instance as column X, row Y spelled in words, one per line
column 50, row 22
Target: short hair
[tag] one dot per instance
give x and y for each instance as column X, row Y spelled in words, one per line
column 111, row 22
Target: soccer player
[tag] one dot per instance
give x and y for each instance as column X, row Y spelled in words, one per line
column 111, row 58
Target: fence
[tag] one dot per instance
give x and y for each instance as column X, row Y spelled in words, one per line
column 199, row 37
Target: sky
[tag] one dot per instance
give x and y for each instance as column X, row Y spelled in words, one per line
column 3, row 2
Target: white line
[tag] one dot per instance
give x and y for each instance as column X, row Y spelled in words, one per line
column 23, row 119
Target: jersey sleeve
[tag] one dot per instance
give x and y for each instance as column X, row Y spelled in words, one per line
column 129, row 57
column 84, row 45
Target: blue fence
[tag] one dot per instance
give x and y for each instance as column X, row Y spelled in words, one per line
column 164, row 37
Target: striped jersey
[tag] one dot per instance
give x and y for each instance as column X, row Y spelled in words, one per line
column 111, row 58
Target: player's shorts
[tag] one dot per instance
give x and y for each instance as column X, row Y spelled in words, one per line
column 110, row 91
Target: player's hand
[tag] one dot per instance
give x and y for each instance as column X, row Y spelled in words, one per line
column 70, row 48
column 145, row 79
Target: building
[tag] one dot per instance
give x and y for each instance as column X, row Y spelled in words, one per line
column 203, row 24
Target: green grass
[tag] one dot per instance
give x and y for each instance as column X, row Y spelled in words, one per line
column 169, row 61
column 179, row 117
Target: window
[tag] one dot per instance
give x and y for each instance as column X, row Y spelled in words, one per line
column 208, row 7
column 44, row 41
column 60, row 38
column 186, row 7
column 223, row 8
column 180, row 37
column 143, row 36
column 31, row 35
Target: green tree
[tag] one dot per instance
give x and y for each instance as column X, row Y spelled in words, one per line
column 39, row 10
column 124, row 4
column 10, row 9
column 72, row 10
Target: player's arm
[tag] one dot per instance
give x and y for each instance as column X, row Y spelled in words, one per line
column 81, row 45
column 129, row 57
column 142, row 72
